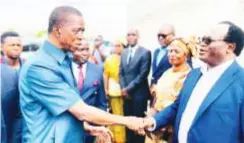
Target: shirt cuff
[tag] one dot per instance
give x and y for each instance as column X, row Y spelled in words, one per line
column 151, row 129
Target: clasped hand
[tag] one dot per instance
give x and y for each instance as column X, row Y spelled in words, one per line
column 139, row 125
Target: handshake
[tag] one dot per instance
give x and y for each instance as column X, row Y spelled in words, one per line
column 140, row 125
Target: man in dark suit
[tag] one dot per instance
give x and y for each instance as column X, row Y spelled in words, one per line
column 160, row 61
column 89, row 80
column 210, row 107
column 134, row 70
column 11, row 116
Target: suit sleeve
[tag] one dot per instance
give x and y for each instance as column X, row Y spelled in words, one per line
column 168, row 115
column 101, row 101
column 144, row 71
column 121, row 73
column 242, row 122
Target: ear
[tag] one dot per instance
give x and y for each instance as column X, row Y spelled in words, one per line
column 231, row 48
column 56, row 31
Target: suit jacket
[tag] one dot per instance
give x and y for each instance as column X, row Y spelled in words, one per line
column 158, row 70
column 9, row 98
column 93, row 92
column 133, row 77
column 220, row 118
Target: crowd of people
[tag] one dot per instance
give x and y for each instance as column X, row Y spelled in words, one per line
column 68, row 92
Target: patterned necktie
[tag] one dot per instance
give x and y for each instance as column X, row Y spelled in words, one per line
column 80, row 78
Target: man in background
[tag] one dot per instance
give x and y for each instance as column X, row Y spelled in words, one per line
column 12, row 47
column 10, row 110
column 133, row 74
column 89, row 80
column 160, row 61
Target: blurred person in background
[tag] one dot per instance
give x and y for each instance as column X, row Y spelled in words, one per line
column 170, row 84
column 100, row 51
column 160, row 62
column 133, row 76
column 89, row 80
column 10, row 110
column 193, row 44
column 12, row 47
column 113, row 89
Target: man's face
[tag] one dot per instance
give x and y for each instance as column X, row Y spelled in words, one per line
column 12, row 47
column 165, row 36
column 81, row 54
column 132, row 37
column 213, row 48
column 70, row 32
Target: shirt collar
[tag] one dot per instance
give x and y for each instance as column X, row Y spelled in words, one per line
column 134, row 48
column 218, row 69
column 56, row 52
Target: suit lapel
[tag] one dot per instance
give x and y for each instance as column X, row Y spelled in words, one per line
column 186, row 92
column 162, row 61
column 125, row 56
column 219, row 87
column 155, row 60
column 192, row 81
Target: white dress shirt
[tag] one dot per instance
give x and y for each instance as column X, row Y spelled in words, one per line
column 76, row 70
column 199, row 93
column 132, row 52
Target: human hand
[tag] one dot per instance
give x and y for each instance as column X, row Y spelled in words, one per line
column 101, row 132
column 145, row 126
column 124, row 92
column 151, row 112
column 153, row 90
column 133, row 123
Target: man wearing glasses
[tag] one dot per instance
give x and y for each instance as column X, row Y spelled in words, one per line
column 160, row 57
column 210, row 107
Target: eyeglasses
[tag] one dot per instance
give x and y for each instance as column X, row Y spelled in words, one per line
column 208, row 40
column 160, row 35
column 131, row 34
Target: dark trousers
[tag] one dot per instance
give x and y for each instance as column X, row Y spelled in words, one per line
column 16, row 135
column 134, row 108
